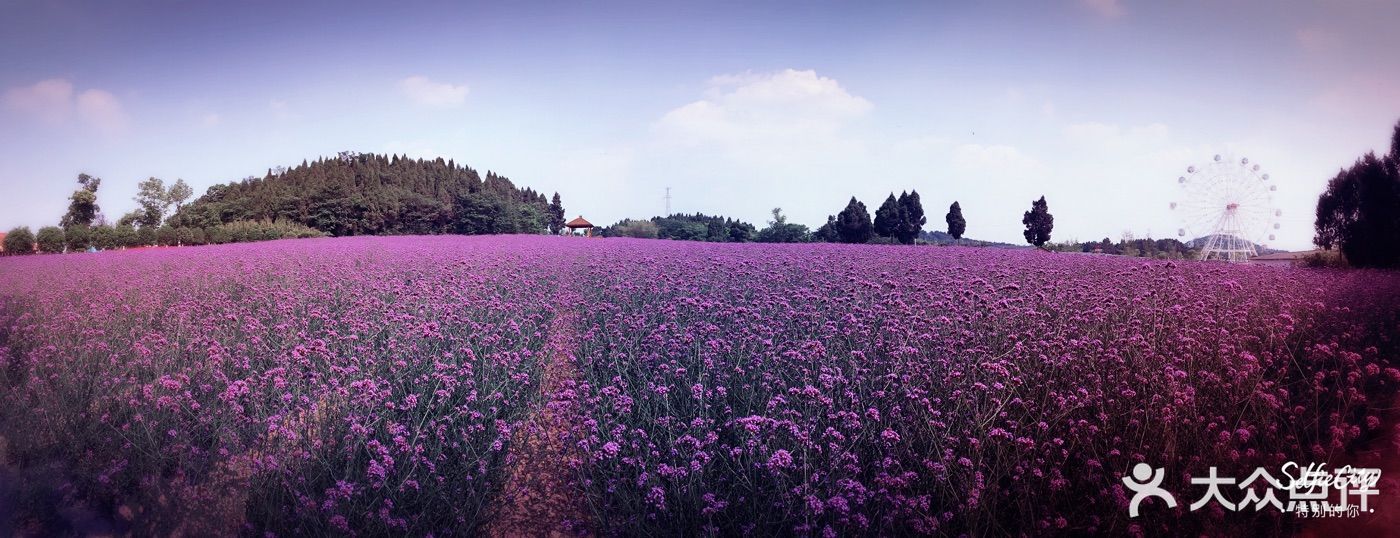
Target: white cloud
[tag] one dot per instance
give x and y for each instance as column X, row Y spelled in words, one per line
column 53, row 102
column 766, row 115
column 102, row 110
column 783, row 138
column 425, row 92
column 1110, row 9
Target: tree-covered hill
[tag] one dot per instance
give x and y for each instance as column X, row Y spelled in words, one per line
column 360, row 194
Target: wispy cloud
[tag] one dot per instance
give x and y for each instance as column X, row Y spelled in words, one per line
column 54, row 102
column 102, row 110
column 50, row 101
column 425, row 92
column 1109, row 9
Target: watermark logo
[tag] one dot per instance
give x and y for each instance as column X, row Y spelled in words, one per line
column 1311, row 491
column 1143, row 489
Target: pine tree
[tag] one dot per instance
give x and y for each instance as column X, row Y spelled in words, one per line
column 1038, row 222
column 956, row 224
column 826, row 233
column 888, row 218
column 556, row 215
column 912, row 211
column 853, row 223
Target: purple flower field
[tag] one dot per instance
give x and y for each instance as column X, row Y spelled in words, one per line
column 370, row 385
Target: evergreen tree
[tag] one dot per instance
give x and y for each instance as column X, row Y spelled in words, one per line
column 956, row 224
column 1038, row 222
column 826, row 233
column 19, row 240
column 888, row 218
column 853, row 223
column 556, row 214
column 82, row 205
column 912, row 211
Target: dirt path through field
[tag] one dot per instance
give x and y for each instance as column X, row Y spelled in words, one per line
column 540, row 496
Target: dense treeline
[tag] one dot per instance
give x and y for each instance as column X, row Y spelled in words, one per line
column 1169, row 249
column 697, row 227
column 899, row 220
column 363, row 194
column 77, row 238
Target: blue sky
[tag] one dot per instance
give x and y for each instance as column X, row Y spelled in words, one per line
column 738, row 107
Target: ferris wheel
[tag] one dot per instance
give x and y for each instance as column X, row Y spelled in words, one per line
column 1226, row 208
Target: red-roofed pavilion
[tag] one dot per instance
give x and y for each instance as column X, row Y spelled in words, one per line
column 580, row 223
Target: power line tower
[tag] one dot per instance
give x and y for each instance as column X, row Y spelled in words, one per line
column 668, row 202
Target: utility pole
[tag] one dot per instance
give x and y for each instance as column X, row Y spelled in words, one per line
column 668, row 202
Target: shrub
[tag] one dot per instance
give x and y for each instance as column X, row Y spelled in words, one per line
column 127, row 236
column 641, row 229
column 189, row 236
column 78, row 238
column 19, row 241
column 260, row 230
column 146, row 236
column 166, row 236
column 50, row 239
column 104, row 237
column 1326, row 258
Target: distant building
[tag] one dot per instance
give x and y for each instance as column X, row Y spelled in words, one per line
column 1283, row 259
column 2, row 241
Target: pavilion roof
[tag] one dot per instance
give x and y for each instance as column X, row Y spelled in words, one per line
column 579, row 223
